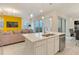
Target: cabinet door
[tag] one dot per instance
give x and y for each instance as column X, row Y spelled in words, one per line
column 62, row 43
column 41, row 48
column 56, row 44
column 50, row 46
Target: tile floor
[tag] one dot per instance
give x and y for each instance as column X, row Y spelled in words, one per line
column 71, row 47
column 19, row 49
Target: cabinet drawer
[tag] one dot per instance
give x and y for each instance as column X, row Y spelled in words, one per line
column 39, row 43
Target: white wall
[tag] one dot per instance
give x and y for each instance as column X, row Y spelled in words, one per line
column 69, row 25
column 54, row 23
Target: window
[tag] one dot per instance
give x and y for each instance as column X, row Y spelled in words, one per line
column 38, row 25
column 25, row 24
column 61, row 25
column 1, row 23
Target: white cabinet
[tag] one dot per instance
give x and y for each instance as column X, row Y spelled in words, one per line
column 40, row 48
column 56, row 48
column 53, row 45
column 50, row 46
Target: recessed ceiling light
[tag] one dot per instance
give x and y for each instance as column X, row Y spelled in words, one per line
column 10, row 10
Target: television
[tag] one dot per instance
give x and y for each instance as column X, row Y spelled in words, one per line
column 76, row 22
column 12, row 24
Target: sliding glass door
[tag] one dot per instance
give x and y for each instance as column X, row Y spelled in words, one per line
column 61, row 25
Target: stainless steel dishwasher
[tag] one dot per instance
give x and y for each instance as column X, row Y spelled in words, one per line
column 61, row 42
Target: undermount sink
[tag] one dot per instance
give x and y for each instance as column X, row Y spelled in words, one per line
column 47, row 35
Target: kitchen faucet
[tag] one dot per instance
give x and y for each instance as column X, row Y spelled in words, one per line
column 45, row 29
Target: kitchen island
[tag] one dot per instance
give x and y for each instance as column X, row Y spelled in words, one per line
column 42, row 43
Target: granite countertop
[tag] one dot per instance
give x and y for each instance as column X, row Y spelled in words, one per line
column 33, row 37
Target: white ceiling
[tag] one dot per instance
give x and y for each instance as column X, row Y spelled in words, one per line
column 67, row 9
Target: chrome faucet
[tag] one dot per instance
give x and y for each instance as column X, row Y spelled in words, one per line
column 45, row 29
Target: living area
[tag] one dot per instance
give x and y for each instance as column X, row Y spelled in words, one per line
column 13, row 24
